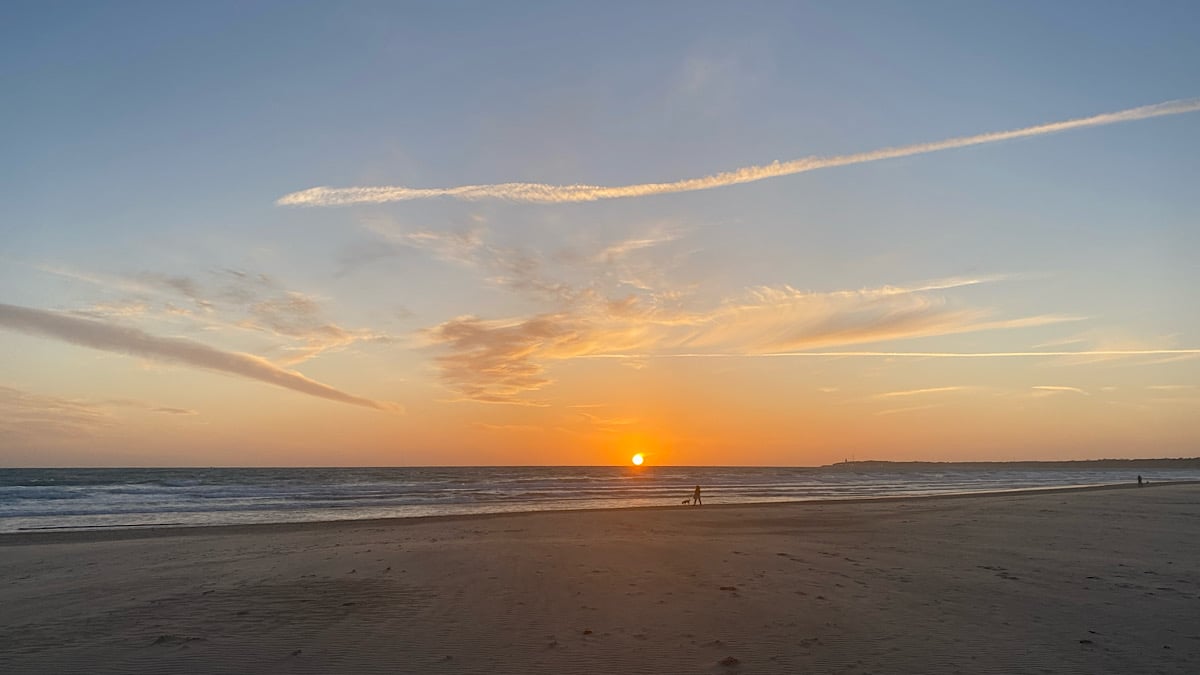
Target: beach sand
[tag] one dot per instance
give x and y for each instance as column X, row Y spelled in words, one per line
column 1082, row 581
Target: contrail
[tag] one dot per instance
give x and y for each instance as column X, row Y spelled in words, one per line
column 538, row 193
column 920, row 355
column 126, row 340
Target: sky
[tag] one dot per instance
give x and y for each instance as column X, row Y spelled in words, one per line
column 473, row 233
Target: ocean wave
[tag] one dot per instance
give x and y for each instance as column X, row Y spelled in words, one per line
column 64, row 498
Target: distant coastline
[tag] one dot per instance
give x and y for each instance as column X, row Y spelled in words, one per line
column 1079, row 464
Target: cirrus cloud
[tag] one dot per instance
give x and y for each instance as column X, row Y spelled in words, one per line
column 497, row 361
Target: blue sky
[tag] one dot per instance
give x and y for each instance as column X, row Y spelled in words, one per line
column 145, row 147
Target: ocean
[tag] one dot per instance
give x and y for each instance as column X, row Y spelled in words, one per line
column 50, row 499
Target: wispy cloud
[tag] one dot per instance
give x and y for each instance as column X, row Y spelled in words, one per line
column 185, row 286
column 530, row 272
column 899, row 354
column 34, row 417
column 497, row 361
column 554, row 194
column 780, row 319
column 103, row 280
column 460, row 246
column 28, row 415
column 143, row 405
column 228, row 299
column 1106, row 345
column 298, row 316
column 920, row 392
column 622, row 248
column 123, row 309
column 126, row 340
column 1051, row 389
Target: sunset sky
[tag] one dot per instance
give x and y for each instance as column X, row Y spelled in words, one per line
column 231, row 232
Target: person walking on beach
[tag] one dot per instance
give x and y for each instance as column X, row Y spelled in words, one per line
column 696, row 497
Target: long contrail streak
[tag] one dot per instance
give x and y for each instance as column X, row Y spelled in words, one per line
column 538, row 193
column 952, row 355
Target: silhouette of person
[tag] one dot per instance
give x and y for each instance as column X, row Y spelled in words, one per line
column 696, row 497
column 1139, row 481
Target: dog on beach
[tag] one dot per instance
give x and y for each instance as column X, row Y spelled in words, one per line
column 688, row 500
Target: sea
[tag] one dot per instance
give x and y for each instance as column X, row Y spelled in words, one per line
column 72, row 499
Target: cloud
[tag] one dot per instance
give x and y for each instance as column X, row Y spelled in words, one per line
column 910, row 354
column 461, row 247
column 782, row 319
column 296, row 315
column 257, row 302
column 184, row 286
column 30, row 416
column 1051, row 389
column 230, row 299
column 514, row 269
column 1104, row 345
column 122, row 309
column 126, row 340
column 105, row 281
column 497, row 361
column 492, row 361
column 133, row 403
column 920, row 392
column 293, row 314
column 554, row 194
column 239, row 287
column 614, row 252
column 529, row 271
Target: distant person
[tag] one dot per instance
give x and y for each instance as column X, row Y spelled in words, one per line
column 1139, row 481
column 696, row 497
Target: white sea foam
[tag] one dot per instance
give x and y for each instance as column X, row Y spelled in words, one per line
column 83, row 498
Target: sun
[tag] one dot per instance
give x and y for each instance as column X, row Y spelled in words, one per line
column 638, row 459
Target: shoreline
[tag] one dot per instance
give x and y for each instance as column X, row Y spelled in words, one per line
column 68, row 534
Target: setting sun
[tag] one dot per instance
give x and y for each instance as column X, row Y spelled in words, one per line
column 638, row 459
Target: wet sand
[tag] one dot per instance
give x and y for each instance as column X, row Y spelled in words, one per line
column 1087, row 581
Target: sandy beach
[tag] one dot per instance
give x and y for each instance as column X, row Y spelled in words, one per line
column 1081, row 581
